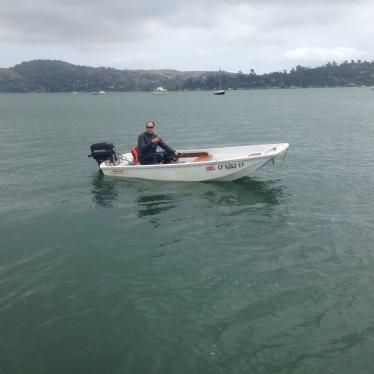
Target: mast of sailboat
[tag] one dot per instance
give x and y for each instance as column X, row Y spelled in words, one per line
column 219, row 73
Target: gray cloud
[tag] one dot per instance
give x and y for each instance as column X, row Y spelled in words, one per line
column 234, row 35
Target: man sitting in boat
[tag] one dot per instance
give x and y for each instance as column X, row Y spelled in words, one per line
column 147, row 148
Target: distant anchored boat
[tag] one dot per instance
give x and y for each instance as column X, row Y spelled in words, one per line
column 101, row 92
column 220, row 91
column 160, row 91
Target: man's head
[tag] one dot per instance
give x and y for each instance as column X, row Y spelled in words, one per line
column 150, row 126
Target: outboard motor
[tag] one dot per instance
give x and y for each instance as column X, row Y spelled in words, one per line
column 103, row 152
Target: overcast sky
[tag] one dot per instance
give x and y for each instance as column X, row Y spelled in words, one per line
column 267, row 35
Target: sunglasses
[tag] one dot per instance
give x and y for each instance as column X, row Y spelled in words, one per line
column 149, row 127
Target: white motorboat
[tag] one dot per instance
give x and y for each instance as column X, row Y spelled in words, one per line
column 211, row 164
column 160, row 91
column 101, row 92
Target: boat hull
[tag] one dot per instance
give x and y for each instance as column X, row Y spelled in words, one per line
column 225, row 164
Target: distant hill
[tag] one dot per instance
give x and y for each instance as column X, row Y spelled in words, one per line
column 60, row 76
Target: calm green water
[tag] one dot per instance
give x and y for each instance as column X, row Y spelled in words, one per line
column 269, row 274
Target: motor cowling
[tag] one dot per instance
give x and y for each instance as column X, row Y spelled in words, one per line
column 103, row 152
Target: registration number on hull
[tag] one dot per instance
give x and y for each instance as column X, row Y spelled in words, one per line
column 230, row 165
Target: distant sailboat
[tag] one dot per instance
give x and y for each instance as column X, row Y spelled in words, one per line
column 220, row 91
column 74, row 90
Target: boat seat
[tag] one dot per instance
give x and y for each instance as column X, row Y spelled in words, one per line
column 203, row 158
column 134, row 152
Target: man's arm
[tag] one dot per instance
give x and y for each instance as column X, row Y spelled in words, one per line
column 164, row 146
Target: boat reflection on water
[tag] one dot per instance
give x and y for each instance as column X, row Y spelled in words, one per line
column 246, row 192
column 154, row 204
column 104, row 191
column 153, row 199
column 139, row 197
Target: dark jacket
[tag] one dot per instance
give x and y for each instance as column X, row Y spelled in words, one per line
column 146, row 147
